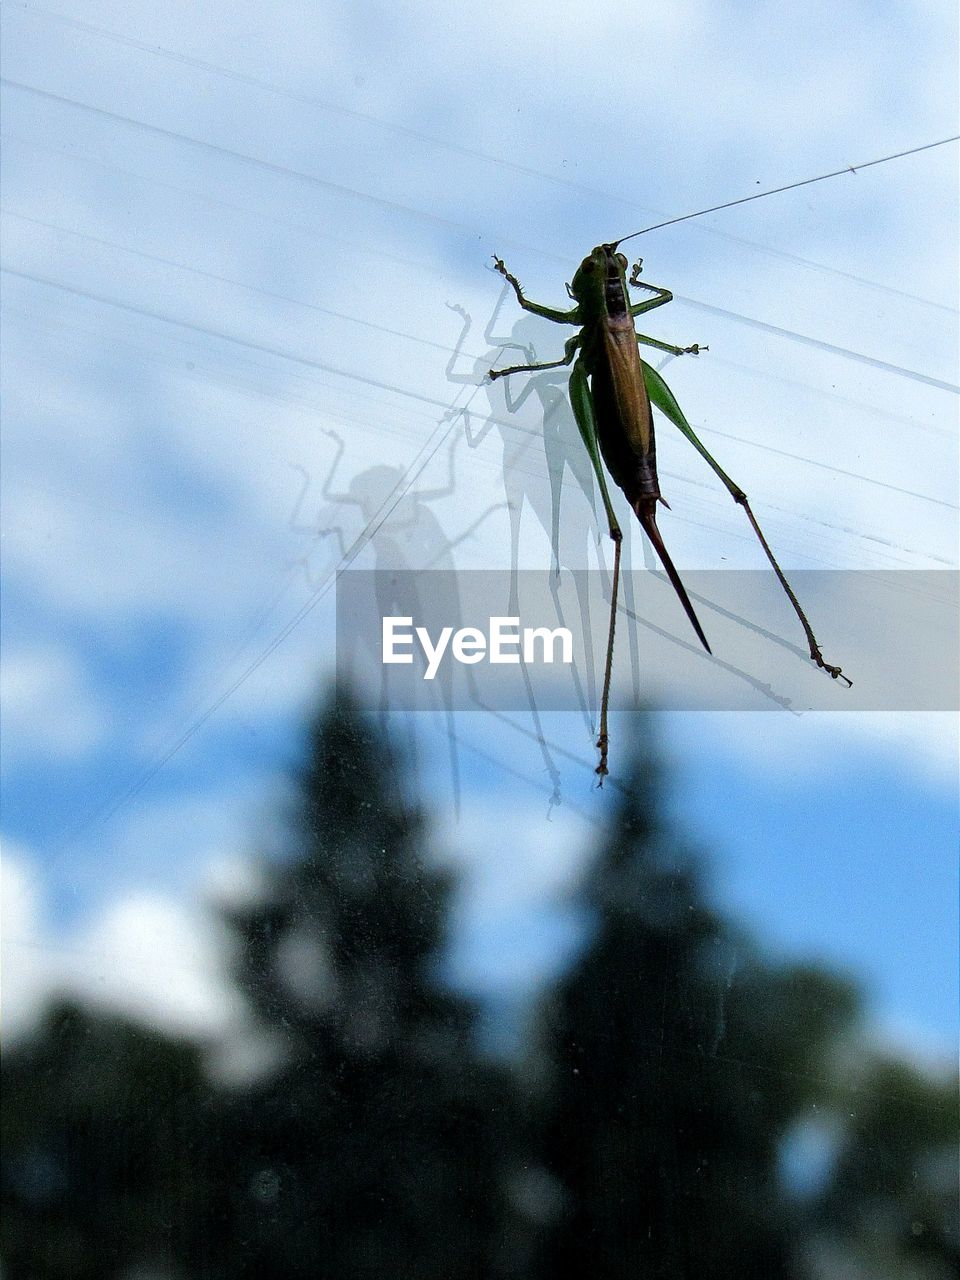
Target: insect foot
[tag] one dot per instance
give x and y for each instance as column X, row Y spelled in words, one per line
column 835, row 673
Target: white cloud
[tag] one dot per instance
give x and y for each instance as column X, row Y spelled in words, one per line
column 546, row 855
column 144, row 955
column 924, row 744
column 25, row 960
column 156, row 960
column 47, row 706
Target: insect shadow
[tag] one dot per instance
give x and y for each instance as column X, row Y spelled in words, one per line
column 579, row 530
column 405, row 540
column 538, row 418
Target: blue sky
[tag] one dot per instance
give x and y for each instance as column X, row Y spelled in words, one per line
column 231, row 241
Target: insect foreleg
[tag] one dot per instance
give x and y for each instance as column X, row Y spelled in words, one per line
column 548, row 313
column 569, row 351
column 663, row 295
column 661, row 395
column 582, row 400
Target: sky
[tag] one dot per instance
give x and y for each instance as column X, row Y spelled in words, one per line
column 247, row 305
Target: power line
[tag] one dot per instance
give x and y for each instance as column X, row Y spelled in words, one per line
column 457, row 148
column 218, row 149
column 406, row 480
column 809, row 341
column 425, row 267
column 750, row 321
column 218, row 279
column 322, row 366
column 447, row 222
column 736, row 316
column 262, row 347
column 309, row 406
column 202, row 197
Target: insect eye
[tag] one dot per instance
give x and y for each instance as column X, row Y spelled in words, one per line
column 588, row 265
column 622, row 260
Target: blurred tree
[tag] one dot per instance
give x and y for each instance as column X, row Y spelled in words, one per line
column 890, row 1208
column 384, row 1146
column 100, row 1122
column 380, row 1144
column 677, row 1061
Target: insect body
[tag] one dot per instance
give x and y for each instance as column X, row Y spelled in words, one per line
column 612, row 390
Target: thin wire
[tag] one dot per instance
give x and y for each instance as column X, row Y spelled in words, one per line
column 790, row 186
column 430, row 447
column 420, row 213
column 218, row 279
column 750, row 321
column 113, row 804
column 447, row 144
column 807, row 340
column 531, row 434
column 201, row 197
column 261, row 347
column 414, row 470
column 351, row 375
column 215, row 147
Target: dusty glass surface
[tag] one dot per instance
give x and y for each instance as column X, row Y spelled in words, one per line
column 302, row 983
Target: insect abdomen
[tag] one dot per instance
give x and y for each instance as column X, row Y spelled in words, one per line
column 625, row 428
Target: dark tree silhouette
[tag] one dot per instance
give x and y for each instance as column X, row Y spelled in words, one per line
column 381, row 1144
column 890, row 1208
column 678, row 1060
column 384, row 1146
column 101, row 1121
column 378, row 1143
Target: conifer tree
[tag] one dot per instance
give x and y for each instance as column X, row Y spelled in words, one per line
column 101, row 1121
column 678, row 1060
column 891, row 1206
column 383, row 1146
column 378, row 1144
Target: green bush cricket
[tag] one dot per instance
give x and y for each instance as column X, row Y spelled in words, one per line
column 611, row 391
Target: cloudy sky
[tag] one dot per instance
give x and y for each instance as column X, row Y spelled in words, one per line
column 246, row 296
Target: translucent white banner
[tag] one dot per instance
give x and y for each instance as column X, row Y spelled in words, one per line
column 506, row 641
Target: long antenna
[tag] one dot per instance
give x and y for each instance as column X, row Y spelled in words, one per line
column 805, row 182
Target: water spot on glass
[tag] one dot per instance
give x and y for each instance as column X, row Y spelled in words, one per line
column 265, row 1185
